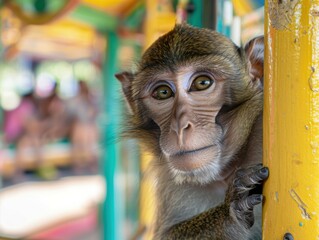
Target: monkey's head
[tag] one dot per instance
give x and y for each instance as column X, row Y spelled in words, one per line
column 182, row 96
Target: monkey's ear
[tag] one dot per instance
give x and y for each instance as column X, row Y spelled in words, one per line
column 255, row 54
column 126, row 79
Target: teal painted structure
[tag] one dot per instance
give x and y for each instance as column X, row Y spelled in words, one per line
column 111, row 155
column 96, row 18
column 195, row 18
column 221, row 27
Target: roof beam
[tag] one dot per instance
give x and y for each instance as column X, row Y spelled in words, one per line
column 95, row 17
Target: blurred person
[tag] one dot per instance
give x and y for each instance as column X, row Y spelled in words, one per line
column 45, row 126
column 83, row 111
column 53, row 117
column 54, row 127
column 14, row 120
column 22, row 128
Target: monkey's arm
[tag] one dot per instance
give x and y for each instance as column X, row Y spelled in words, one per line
column 232, row 218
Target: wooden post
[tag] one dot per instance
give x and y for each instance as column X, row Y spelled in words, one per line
column 291, row 120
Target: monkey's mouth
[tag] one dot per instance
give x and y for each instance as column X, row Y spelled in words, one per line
column 194, row 159
column 181, row 153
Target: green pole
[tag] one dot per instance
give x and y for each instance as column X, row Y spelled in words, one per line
column 110, row 208
column 196, row 13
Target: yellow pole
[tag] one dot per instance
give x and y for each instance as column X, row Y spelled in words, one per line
column 291, row 120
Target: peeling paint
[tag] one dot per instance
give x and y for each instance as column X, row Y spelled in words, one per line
column 314, row 144
column 301, row 205
column 296, row 159
column 311, row 81
column 315, row 11
column 281, row 13
column 276, row 197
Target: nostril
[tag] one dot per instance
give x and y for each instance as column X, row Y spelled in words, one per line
column 188, row 126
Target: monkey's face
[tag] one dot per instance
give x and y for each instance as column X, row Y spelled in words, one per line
column 184, row 105
column 184, row 80
column 184, row 101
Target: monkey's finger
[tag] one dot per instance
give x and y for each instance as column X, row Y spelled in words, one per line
column 243, row 209
column 246, row 170
column 245, row 182
column 249, row 220
column 243, row 172
column 247, row 204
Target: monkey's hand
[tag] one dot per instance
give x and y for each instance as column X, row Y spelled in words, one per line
column 232, row 218
column 241, row 197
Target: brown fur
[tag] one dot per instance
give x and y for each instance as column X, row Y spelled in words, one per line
column 224, row 120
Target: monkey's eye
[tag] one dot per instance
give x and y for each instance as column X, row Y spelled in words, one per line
column 201, row 83
column 162, row 93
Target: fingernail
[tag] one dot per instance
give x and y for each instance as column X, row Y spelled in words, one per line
column 264, row 170
column 259, row 198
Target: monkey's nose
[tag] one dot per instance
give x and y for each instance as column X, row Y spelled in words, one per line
column 182, row 131
column 187, row 127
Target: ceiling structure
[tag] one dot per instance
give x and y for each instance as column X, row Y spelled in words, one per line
column 67, row 29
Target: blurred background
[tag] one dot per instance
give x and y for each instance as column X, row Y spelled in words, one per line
column 64, row 173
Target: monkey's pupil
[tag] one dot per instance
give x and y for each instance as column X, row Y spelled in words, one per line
column 162, row 93
column 202, row 83
column 206, row 82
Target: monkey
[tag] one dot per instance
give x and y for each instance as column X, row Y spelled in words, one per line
column 195, row 102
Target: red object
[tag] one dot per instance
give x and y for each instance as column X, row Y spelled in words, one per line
column 70, row 230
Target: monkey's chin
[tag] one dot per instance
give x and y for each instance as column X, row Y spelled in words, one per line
column 199, row 166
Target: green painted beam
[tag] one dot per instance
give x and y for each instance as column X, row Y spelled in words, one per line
column 134, row 20
column 111, row 208
column 29, row 5
column 84, row 13
column 95, row 17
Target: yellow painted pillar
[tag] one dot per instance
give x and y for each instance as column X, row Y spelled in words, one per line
column 291, row 120
column 160, row 19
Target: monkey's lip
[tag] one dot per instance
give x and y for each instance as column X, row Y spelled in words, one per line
column 181, row 153
column 193, row 159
